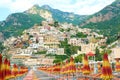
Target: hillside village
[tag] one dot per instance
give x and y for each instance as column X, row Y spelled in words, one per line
column 35, row 43
column 55, row 35
column 45, row 42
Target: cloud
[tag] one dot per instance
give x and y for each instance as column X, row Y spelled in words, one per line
column 85, row 6
column 76, row 6
column 21, row 5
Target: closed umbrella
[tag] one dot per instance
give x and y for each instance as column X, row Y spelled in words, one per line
column 1, row 68
column 8, row 73
column 5, row 70
column 57, row 68
column 66, row 67
column 117, row 65
column 15, row 70
column 99, row 67
column 106, row 68
column 63, row 69
column 86, row 67
column 71, row 66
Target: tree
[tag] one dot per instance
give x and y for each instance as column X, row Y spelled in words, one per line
column 108, row 51
column 56, row 24
column 41, row 52
column 69, row 49
column 98, row 55
column 81, row 35
column 68, row 30
column 60, row 58
column 57, row 61
column 1, row 47
column 78, row 58
column 61, row 29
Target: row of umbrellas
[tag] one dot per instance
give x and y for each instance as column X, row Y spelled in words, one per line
column 69, row 67
column 7, row 71
column 63, row 68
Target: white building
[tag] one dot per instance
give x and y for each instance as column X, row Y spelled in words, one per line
column 27, row 51
column 45, row 61
column 58, row 51
column 31, row 62
column 51, row 51
column 43, row 30
column 86, row 48
column 34, row 45
column 115, row 54
column 9, row 41
column 74, row 41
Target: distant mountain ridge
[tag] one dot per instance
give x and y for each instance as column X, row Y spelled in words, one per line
column 107, row 21
column 56, row 14
column 17, row 22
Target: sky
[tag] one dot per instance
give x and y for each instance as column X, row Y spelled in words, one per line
column 82, row 7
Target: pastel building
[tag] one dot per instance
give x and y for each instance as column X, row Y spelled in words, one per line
column 115, row 54
column 51, row 41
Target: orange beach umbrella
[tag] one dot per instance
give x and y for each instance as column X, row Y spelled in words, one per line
column 5, row 70
column 106, row 68
column 86, row 67
column 71, row 66
column 66, row 67
column 1, row 68
column 117, row 65
column 8, row 70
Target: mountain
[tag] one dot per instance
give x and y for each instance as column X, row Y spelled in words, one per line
column 49, row 13
column 17, row 22
column 107, row 21
column 1, row 37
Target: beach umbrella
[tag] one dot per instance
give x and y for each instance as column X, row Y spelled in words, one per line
column 99, row 67
column 66, row 67
column 8, row 70
column 53, row 70
column 15, row 70
column 50, row 69
column 86, row 67
column 78, row 69
column 0, row 61
column 20, row 71
column 117, row 65
column 5, row 70
column 63, row 68
column 106, row 68
column 1, row 68
column 23, row 70
column 57, row 68
column 71, row 66
column 92, row 68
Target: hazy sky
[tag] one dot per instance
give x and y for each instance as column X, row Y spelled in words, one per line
column 82, row 7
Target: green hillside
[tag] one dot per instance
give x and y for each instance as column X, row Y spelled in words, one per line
column 109, row 24
column 17, row 22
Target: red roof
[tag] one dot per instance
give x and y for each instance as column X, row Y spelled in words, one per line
column 90, row 54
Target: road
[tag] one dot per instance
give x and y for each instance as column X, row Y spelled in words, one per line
column 40, row 75
column 44, row 76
